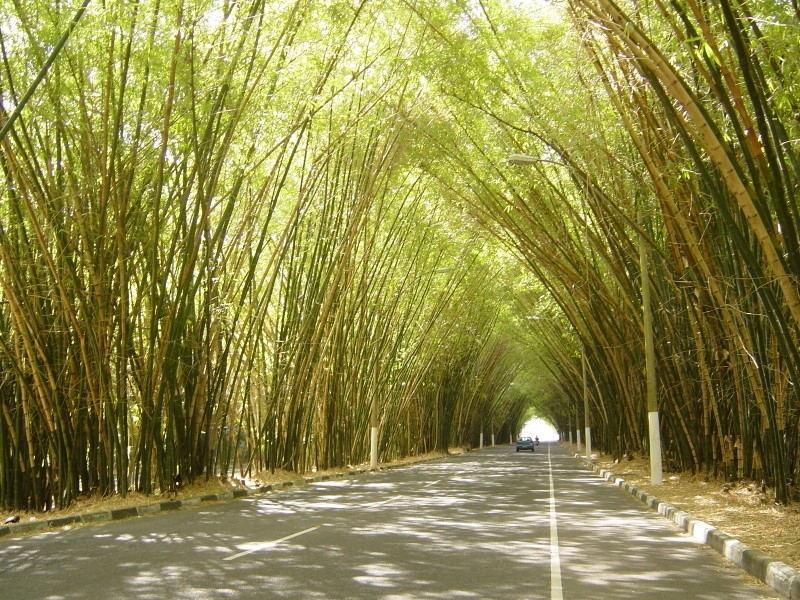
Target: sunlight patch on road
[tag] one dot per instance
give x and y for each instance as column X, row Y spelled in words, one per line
column 381, row 575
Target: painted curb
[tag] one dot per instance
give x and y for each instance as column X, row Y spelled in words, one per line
column 166, row 506
column 778, row 575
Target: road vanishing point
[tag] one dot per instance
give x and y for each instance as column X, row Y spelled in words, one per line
column 487, row 524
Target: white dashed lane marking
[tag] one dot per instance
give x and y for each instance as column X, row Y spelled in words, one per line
column 258, row 546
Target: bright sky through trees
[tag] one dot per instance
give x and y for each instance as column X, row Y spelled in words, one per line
column 537, row 427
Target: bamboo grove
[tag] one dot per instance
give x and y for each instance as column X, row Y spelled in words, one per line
column 218, row 256
column 677, row 123
column 235, row 235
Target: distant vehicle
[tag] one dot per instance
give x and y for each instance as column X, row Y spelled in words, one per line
column 525, row 443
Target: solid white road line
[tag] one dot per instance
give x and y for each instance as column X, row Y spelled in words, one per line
column 270, row 544
column 556, row 592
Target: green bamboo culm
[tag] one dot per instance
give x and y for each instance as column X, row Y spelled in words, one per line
column 51, row 58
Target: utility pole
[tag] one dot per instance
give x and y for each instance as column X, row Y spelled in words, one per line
column 650, row 359
column 373, row 433
column 586, row 419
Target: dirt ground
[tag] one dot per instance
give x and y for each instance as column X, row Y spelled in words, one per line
column 739, row 508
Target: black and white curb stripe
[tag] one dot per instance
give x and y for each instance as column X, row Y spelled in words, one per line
column 778, row 575
column 175, row 504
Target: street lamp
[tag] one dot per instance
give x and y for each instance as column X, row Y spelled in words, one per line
column 522, row 159
column 650, row 355
column 525, row 159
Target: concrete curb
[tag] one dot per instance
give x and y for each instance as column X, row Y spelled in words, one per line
column 779, row 576
column 176, row 504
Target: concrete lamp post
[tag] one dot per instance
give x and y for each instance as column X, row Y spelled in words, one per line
column 374, row 422
column 375, row 412
column 650, row 361
column 586, row 416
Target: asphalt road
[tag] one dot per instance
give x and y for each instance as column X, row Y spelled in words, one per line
column 488, row 524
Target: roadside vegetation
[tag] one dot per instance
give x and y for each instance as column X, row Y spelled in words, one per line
column 237, row 235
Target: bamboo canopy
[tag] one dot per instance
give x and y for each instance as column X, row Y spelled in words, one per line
column 236, row 234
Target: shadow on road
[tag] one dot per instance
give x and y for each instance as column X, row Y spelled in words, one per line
column 474, row 526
